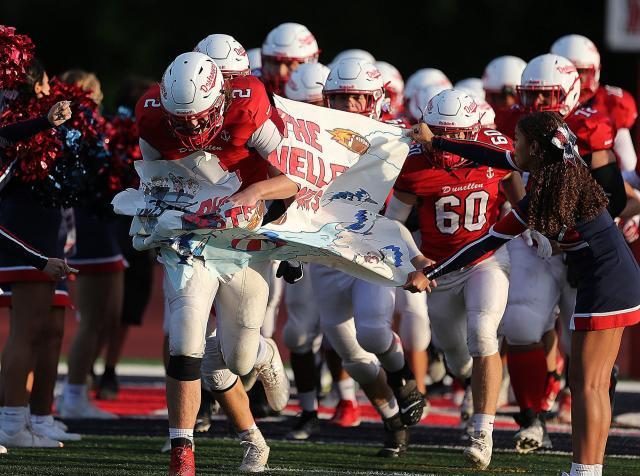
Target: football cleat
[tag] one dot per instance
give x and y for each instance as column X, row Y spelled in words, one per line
column 182, row 461
column 52, row 431
column 479, row 451
column 256, row 452
column 274, row 379
column 347, row 414
column 396, row 439
column 410, row 400
column 306, row 425
column 27, row 438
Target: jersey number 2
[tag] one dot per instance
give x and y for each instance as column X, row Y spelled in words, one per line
column 475, row 212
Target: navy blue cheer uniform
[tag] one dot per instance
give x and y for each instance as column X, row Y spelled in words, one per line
column 23, row 216
column 607, row 274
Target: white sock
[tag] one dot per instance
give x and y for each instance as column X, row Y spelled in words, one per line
column 578, row 469
column 245, row 433
column 483, row 422
column 347, row 389
column 181, row 433
column 389, row 409
column 598, row 470
column 73, row 394
column 14, row 419
column 308, row 401
column 263, row 352
column 42, row 419
column 393, row 359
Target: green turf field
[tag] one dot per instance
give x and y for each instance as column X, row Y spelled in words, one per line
column 137, row 456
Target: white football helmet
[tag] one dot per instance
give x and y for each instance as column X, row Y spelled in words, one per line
column 393, row 84
column 228, row 54
column 503, row 73
column 361, row 55
column 286, row 44
column 473, row 86
column 351, row 76
column 550, row 83
column 586, row 58
column 453, row 113
column 422, row 78
column 487, row 114
column 418, row 104
column 306, row 83
column 192, row 95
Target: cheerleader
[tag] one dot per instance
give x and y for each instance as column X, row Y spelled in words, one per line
column 566, row 204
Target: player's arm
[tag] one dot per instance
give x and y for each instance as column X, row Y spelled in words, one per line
column 605, row 171
column 479, row 152
column 625, row 150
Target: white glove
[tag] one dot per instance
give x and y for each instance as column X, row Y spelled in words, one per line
column 544, row 245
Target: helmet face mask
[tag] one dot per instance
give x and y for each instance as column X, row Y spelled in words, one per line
column 276, row 71
column 540, row 98
column 198, row 130
column 447, row 160
column 359, row 102
column 588, row 83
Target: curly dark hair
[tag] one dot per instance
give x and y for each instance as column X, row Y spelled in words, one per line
column 561, row 194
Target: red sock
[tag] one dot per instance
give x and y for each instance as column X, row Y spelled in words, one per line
column 528, row 372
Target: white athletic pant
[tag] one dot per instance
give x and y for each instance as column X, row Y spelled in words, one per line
column 356, row 339
column 276, row 287
column 301, row 332
column 465, row 311
column 240, row 308
column 414, row 330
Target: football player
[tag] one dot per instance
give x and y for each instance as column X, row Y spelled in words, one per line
column 228, row 54
column 175, row 123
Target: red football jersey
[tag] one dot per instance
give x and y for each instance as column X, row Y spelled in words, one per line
column 455, row 207
column 592, row 126
column 249, row 108
column 619, row 103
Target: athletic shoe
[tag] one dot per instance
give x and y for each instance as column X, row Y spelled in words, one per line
column 52, row 431
column 83, row 410
column 479, row 451
column 166, row 447
column 274, row 378
column 3, row 450
column 27, row 438
column 437, row 369
column 182, row 461
column 530, row 437
column 347, row 414
column 466, row 407
column 564, row 408
column 396, row 438
column 256, row 452
column 410, row 400
column 108, row 387
column 306, row 425
column 60, row 424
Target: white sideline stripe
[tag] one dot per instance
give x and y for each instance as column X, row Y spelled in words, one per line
column 124, row 370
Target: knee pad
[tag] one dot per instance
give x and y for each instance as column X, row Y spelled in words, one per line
column 297, row 339
column 374, row 339
column 184, row 368
column 482, row 335
column 219, row 381
column 459, row 365
column 363, row 372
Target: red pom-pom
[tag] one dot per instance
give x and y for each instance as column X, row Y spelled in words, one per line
column 16, row 52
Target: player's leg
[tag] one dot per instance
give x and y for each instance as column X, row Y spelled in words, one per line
column 240, row 307
column 485, row 294
column 301, row 335
column 188, row 313
column 229, row 392
column 373, row 307
column 415, row 333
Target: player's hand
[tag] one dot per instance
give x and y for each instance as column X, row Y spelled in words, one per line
column 290, row 271
column 58, row 269
column 545, row 250
column 59, row 113
column 247, row 197
column 417, row 282
column 421, row 133
column 630, row 229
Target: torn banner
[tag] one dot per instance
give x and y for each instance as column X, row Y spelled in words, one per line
column 345, row 165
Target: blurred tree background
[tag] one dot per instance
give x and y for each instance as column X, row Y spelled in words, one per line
column 116, row 38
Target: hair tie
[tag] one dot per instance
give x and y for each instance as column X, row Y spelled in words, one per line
column 565, row 140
